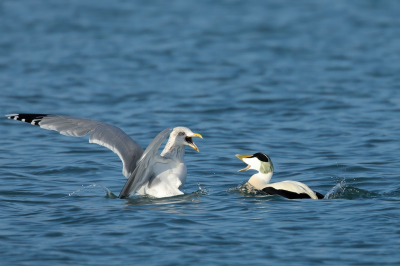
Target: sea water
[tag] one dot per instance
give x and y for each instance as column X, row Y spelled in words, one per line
column 313, row 84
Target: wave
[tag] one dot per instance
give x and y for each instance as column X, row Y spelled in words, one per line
column 341, row 190
column 82, row 191
column 137, row 199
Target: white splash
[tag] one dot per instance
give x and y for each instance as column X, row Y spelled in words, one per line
column 337, row 190
column 77, row 192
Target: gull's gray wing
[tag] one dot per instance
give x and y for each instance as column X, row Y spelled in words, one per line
column 143, row 171
column 101, row 133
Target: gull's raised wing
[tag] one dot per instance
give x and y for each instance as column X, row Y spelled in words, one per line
column 143, row 171
column 103, row 134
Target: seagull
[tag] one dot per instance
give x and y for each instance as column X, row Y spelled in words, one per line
column 148, row 172
column 288, row 189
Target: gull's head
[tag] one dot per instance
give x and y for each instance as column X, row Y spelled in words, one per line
column 183, row 136
column 258, row 161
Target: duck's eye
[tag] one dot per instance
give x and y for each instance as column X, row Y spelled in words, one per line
column 181, row 133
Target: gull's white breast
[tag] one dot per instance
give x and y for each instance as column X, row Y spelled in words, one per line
column 168, row 178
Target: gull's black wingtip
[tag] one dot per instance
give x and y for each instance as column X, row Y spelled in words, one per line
column 33, row 119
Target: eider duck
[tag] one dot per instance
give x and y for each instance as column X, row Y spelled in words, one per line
column 288, row 189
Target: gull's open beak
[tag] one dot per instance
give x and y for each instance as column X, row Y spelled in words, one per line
column 190, row 141
column 241, row 156
column 196, row 135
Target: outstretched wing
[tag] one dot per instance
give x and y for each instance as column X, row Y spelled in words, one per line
column 143, row 171
column 101, row 133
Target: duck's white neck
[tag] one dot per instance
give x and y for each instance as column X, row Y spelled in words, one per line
column 260, row 181
column 174, row 152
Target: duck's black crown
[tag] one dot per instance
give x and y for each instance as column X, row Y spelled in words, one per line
column 261, row 156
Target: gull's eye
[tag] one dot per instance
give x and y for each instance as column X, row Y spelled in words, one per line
column 181, row 133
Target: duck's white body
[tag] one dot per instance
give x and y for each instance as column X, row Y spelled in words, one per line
column 293, row 186
column 285, row 188
column 261, row 181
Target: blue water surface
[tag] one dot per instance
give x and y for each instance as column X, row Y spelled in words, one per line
column 313, row 84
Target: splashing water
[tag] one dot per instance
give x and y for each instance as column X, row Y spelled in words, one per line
column 201, row 191
column 78, row 192
column 337, row 190
column 248, row 190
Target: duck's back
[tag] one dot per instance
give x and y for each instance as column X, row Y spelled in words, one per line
column 292, row 190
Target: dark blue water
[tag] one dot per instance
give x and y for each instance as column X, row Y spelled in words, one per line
column 313, row 84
